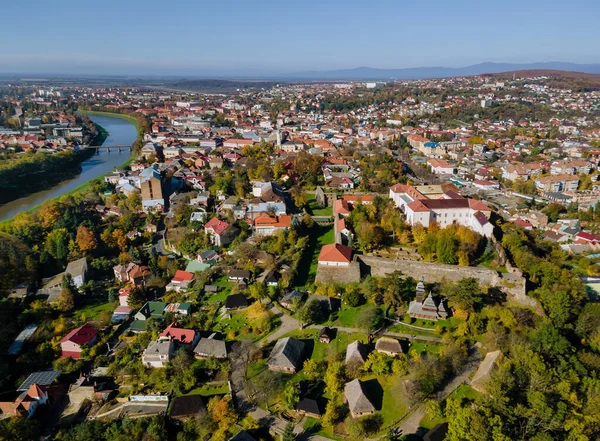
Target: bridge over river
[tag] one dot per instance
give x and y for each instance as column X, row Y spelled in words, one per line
column 109, row 148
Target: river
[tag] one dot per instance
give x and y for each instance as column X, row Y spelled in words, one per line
column 120, row 132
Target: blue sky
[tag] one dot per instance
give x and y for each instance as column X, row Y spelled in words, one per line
column 262, row 37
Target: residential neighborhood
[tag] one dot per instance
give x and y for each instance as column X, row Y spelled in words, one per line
column 318, row 260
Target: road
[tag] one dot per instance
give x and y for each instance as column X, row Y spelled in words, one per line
column 288, row 324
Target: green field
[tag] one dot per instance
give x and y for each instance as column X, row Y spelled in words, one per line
column 208, row 390
column 93, row 308
column 314, row 209
column 307, row 268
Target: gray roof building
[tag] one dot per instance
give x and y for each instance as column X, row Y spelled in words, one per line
column 287, row 355
column 209, row 347
column 358, row 401
column 356, row 352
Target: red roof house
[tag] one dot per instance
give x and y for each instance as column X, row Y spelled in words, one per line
column 335, row 254
column 182, row 276
column 77, row 340
column 179, row 335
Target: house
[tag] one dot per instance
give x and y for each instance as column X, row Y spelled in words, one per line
column 179, row 308
column 131, row 273
column 220, row 232
column 158, row 353
column 356, row 353
column 194, row 266
column 180, row 281
column 335, row 255
column 358, row 401
column 77, row 269
column 73, row 344
column 237, row 275
column 154, row 310
column 438, row 433
column 121, row 313
column 287, row 356
column 291, row 299
column 211, row 347
column 487, row 366
column 308, row 407
column 243, row 436
column 266, row 225
column 440, row 167
column 326, row 335
column 25, row 403
column 186, row 407
column 272, row 279
column 208, row 257
column 180, row 336
column 235, row 301
column 388, row 346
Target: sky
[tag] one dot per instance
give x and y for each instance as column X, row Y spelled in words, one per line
column 267, row 37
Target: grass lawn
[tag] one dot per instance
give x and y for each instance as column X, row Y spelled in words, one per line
column 347, row 316
column 224, row 290
column 421, row 346
column 238, row 323
column 93, row 307
column 395, row 402
column 314, row 209
column 208, row 390
column 307, row 268
column 320, row 350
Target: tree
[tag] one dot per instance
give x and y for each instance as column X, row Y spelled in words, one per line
column 445, row 248
column 299, row 197
column 334, row 377
column 136, row 298
column 57, row 244
column 288, row 434
column 260, row 317
column 85, row 239
column 120, row 239
column 466, row 293
column 291, row 395
column 66, row 300
column 368, row 319
column 19, row 428
column 378, row 363
column 352, row 296
column 313, row 370
column 315, row 311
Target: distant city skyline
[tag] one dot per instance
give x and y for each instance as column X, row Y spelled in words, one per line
column 269, row 38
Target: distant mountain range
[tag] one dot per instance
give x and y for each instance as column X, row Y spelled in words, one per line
column 369, row 73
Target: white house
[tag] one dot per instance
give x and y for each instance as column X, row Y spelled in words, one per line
column 158, row 353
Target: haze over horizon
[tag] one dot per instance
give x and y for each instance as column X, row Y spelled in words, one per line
column 271, row 38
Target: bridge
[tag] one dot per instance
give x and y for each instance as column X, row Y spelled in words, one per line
column 116, row 148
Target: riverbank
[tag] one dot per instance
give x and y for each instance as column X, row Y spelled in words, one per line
column 127, row 118
column 98, row 165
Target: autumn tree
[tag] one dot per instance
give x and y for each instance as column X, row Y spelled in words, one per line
column 85, row 239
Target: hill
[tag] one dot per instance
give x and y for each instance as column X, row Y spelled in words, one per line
column 576, row 81
column 368, row 73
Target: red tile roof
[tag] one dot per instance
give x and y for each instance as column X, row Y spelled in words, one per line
column 335, row 252
column 181, row 276
column 180, row 335
column 217, row 225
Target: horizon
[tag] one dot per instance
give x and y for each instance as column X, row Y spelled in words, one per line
column 269, row 39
